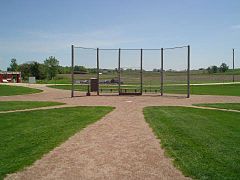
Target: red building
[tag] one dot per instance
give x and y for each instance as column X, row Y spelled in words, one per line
column 10, row 77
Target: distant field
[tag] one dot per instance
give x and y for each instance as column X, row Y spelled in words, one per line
column 225, row 89
column 6, row 90
column 203, row 143
column 152, row 78
column 19, row 105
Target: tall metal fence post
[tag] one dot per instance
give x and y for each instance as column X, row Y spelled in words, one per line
column 119, row 71
column 72, row 92
column 188, row 73
column 233, row 64
column 98, row 70
column 141, row 71
column 161, row 72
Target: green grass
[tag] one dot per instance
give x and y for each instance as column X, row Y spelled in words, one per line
column 232, row 106
column 6, row 90
column 25, row 137
column 203, row 143
column 225, row 89
column 19, row 105
column 153, row 78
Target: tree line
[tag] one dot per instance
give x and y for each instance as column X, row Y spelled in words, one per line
column 46, row 70
column 50, row 68
column 214, row 69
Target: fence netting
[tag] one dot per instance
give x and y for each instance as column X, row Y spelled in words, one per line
column 132, row 70
column 85, row 68
column 130, row 66
column 151, row 71
column 175, row 63
column 108, row 71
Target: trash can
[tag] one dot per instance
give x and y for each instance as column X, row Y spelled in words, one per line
column 94, row 85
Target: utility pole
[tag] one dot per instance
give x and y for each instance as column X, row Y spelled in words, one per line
column 233, row 57
column 72, row 92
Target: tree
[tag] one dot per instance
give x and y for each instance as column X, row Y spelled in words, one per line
column 51, row 66
column 212, row 69
column 34, row 69
column 223, row 67
column 25, row 70
column 64, row 70
column 156, row 70
column 37, row 70
column 80, row 69
column 13, row 65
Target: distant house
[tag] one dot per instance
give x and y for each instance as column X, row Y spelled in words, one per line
column 7, row 76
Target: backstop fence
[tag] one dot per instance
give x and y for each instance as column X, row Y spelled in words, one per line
column 131, row 71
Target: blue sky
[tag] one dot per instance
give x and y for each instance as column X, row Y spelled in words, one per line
column 34, row 30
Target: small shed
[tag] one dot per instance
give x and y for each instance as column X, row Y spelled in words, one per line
column 10, row 76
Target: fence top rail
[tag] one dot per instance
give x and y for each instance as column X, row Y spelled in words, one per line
column 79, row 47
column 177, row 47
column 134, row 49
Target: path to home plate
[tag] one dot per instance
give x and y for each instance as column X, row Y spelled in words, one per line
column 119, row 146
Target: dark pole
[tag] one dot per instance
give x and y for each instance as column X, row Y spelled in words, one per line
column 233, row 64
column 119, row 71
column 72, row 93
column 141, row 71
column 161, row 72
column 98, row 70
column 188, row 74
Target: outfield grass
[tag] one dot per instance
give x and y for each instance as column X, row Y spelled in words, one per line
column 224, row 89
column 6, row 90
column 203, row 143
column 19, row 105
column 232, row 106
column 25, row 137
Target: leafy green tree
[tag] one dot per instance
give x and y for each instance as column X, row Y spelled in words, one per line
column 42, row 71
column 64, row 70
column 223, row 67
column 38, row 70
column 13, row 65
column 52, row 65
column 80, row 68
column 34, row 69
column 25, row 70
column 212, row 69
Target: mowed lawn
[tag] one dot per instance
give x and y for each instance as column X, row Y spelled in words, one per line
column 25, row 137
column 223, row 89
column 19, row 105
column 6, row 90
column 203, row 143
column 231, row 106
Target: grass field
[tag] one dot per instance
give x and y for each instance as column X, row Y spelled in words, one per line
column 19, row 105
column 25, row 137
column 232, row 106
column 152, row 78
column 224, row 89
column 203, row 143
column 6, row 90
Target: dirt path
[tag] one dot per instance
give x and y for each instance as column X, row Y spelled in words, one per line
column 119, row 146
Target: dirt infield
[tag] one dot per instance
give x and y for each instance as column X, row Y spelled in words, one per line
column 119, row 146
